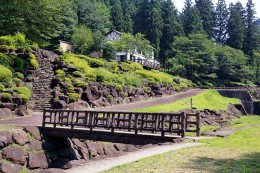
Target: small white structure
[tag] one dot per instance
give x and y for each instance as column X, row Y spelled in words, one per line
column 65, row 46
column 134, row 55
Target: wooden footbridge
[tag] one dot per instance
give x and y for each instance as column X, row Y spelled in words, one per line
column 84, row 123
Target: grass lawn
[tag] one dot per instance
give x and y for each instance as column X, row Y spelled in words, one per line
column 209, row 99
column 239, row 152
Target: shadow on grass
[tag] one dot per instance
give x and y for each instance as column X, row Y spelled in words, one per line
column 249, row 163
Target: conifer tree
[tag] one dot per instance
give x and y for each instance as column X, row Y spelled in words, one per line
column 117, row 15
column 220, row 23
column 235, row 26
column 206, row 9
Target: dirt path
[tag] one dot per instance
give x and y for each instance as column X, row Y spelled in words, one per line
column 36, row 117
column 102, row 165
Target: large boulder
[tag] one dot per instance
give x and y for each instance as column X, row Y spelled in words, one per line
column 11, row 106
column 117, row 101
column 91, row 147
column 20, row 137
column 10, row 168
column 17, row 100
column 95, row 92
column 75, row 106
column 34, row 131
column 83, row 151
column 64, row 98
column 35, row 145
column 5, row 112
column 5, row 139
column 101, row 102
column 14, row 154
column 59, row 104
column 110, row 150
column 87, row 96
column 37, row 160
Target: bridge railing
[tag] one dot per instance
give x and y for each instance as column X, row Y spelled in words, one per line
column 132, row 121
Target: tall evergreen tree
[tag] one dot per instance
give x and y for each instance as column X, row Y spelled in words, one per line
column 220, row 23
column 206, row 9
column 129, row 11
column 191, row 19
column 117, row 15
column 250, row 42
column 172, row 27
column 235, row 26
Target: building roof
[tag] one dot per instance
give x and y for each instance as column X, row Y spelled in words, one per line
column 113, row 31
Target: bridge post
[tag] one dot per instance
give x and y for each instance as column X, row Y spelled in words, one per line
column 136, row 123
column 183, row 124
column 163, row 125
column 44, row 118
column 198, row 124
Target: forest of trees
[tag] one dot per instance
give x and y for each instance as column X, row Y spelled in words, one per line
column 204, row 41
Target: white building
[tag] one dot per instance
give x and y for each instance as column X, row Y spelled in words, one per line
column 134, row 55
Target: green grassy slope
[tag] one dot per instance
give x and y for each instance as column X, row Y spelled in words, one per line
column 209, row 99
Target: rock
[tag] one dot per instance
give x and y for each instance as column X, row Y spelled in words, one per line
column 87, row 96
column 100, row 148
column 64, row 98
column 14, row 154
column 35, row 145
column 91, row 147
column 10, row 168
column 117, row 101
column 130, row 148
column 74, row 163
column 120, row 147
column 84, row 104
column 59, row 163
column 21, row 111
column 95, row 93
column 74, row 106
column 101, row 102
column 37, row 160
column 110, row 150
column 20, row 137
column 114, row 93
column 78, row 90
column 59, row 104
column 5, row 139
column 34, row 131
column 4, row 112
column 126, row 101
column 11, row 106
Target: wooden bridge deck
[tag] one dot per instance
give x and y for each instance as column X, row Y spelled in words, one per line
column 135, row 123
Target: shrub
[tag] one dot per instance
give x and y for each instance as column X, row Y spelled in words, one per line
column 17, row 81
column 20, row 49
column 6, row 60
column 11, row 48
column 73, row 97
column 148, row 74
column 127, row 67
column 25, row 99
column 177, row 88
column 19, row 75
column 34, row 46
column 183, row 85
column 69, row 83
column 119, row 88
column 60, row 74
column 4, row 48
column 131, row 79
column 19, row 64
column 110, row 98
column 137, row 66
column 23, row 90
column 103, row 75
column 6, row 97
column 77, row 74
column 7, row 40
column 20, row 40
column 92, row 61
column 81, row 84
column 2, row 87
column 112, row 66
column 118, row 79
column 147, row 89
column 77, row 62
column 31, row 56
column 34, row 63
column 5, row 75
column 91, row 76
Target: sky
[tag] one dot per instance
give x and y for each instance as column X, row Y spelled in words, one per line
column 179, row 4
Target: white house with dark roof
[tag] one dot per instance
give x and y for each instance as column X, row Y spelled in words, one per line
column 135, row 55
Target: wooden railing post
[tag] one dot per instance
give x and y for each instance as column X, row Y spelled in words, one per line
column 183, row 124
column 44, row 118
column 198, row 124
column 163, row 125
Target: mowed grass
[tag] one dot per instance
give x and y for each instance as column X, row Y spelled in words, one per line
column 209, row 99
column 239, row 152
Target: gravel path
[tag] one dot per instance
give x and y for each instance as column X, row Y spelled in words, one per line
column 102, row 165
column 36, row 117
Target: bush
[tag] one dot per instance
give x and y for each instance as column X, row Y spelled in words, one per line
column 95, row 63
column 148, row 74
column 34, row 46
column 25, row 99
column 177, row 88
column 2, row 87
column 147, row 89
column 73, row 97
column 110, row 98
column 112, row 67
column 23, row 90
column 19, row 64
column 11, row 48
column 60, row 74
column 77, row 74
column 69, row 83
column 4, row 48
column 34, row 63
column 19, row 75
column 183, row 86
column 91, row 76
column 119, row 88
column 5, row 75
column 6, row 60
column 127, row 67
column 17, row 82
column 131, row 79
column 31, row 56
column 81, row 84
column 7, row 40
column 103, row 75
column 6, row 97
column 137, row 66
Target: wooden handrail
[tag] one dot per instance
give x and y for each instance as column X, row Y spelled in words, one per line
column 116, row 120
